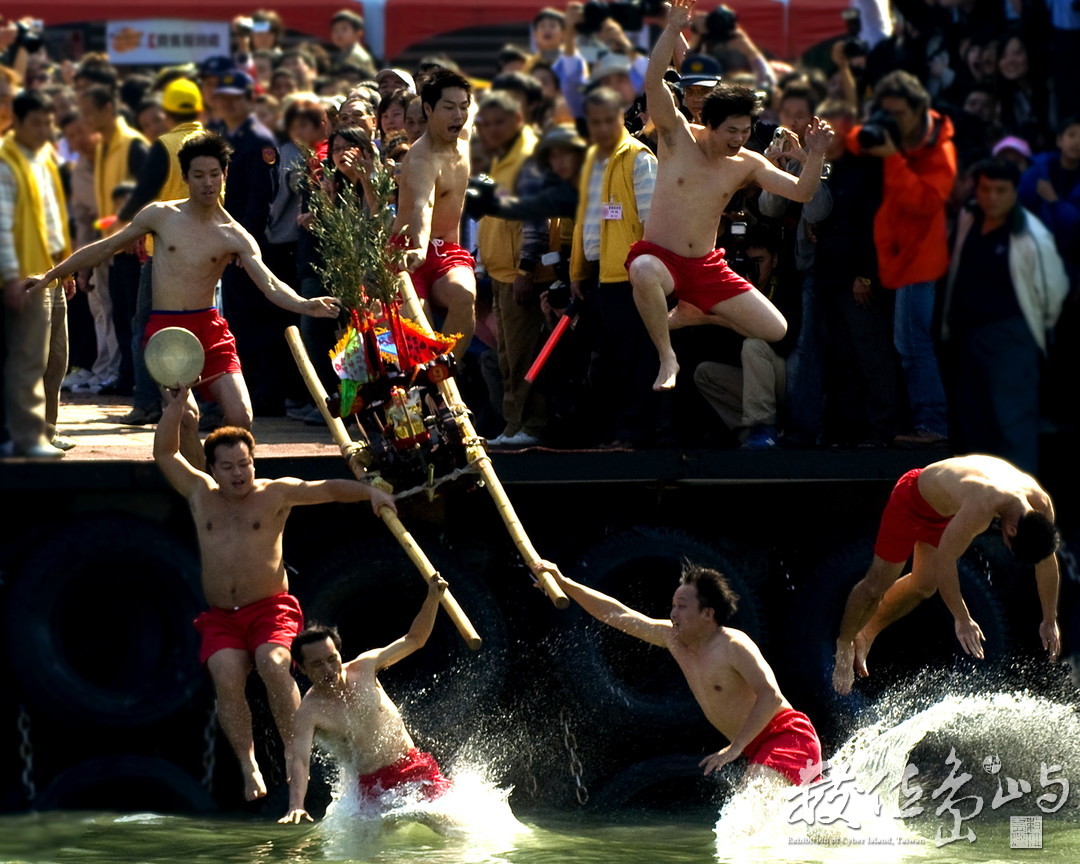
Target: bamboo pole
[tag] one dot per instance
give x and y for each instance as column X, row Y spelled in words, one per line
column 411, row 308
column 354, row 456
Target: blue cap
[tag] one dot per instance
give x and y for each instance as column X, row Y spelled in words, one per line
column 235, row 82
column 217, row 66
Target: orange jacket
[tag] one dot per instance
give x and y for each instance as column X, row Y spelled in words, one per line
column 909, row 227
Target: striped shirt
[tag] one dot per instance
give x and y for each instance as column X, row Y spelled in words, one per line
column 644, row 181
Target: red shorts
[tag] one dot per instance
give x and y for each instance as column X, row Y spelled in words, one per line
column 414, row 767
column 274, row 619
column 790, row 745
column 219, row 345
column 442, row 257
column 702, row 282
column 908, row 520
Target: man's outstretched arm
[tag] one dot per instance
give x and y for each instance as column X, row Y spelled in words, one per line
column 418, row 633
column 300, row 492
column 300, row 768
column 180, row 473
column 276, row 291
column 661, row 103
column 1047, row 582
column 101, row 250
column 609, row 610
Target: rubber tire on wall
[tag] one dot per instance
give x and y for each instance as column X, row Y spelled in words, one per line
column 372, row 592
column 126, row 783
column 639, row 687
column 924, row 636
column 99, row 618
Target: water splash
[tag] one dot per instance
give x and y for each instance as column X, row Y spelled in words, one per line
column 472, row 822
column 993, row 737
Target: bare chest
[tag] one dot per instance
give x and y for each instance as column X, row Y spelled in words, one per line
column 217, row 520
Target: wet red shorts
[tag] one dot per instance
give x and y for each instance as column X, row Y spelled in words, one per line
column 414, row 767
column 442, row 257
column 274, row 619
column 702, row 282
column 218, row 343
column 786, row 745
column 907, row 520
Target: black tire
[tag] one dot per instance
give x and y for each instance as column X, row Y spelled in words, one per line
column 923, row 638
column 372, row 592
column 99, row 618
column 665, row 782
column 637, row 688
column 126, row 783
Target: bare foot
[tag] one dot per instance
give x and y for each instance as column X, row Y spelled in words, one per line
column 254, row 787
column 862, row 648
column 844, row 671
column 687, row 315
column 669, row 368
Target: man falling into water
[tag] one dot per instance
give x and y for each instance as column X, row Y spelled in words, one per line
column 729, row 677
column 700, row 168
column 933, row 514
column 353, row 717
column 252, row 617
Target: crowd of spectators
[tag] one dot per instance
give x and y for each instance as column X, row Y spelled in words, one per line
column 928, row 286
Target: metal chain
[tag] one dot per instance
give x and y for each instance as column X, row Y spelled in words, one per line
column 209, row 748
column 26, row 753
column 576, row 768
column 531, row 784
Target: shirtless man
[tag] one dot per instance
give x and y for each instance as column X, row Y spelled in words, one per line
column 731, row 680
column 434, row 177
column 195, row 239
column 252, row 617
column 700, row 168
column 355, row 719
column 935, row 512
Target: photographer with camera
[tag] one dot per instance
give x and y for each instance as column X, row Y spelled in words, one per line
column 918, row 158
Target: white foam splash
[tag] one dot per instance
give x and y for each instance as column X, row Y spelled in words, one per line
column 1018, row 727
column 474, row 810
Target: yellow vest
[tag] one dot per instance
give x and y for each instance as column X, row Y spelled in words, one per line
column 30, row 229
column 111, row 165
column 175, row 187
column 616, row 235
column 499, row 240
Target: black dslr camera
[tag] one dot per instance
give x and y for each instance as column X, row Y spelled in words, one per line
column 480, row 197
column 874, row 131
column 853, row 45
column 720, row 24
column 629, row 15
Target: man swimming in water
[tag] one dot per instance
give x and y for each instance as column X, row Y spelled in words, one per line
column 351, row 714
column 194, row 241
column 729, row 677
column 935, row 513
column 239, row 521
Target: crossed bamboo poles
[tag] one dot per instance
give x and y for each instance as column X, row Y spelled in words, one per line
column 352, row 453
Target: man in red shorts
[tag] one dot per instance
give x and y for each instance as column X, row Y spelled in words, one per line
column 729, row 677
column 434, row 177
column 700, row 168
column 194, row 241
column 252, row 618
column 354, row 718
column 933, row 514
